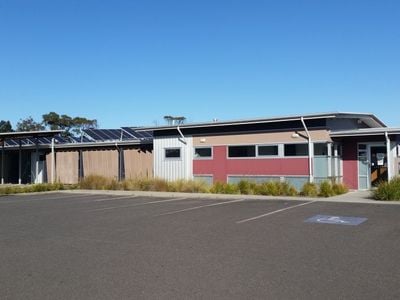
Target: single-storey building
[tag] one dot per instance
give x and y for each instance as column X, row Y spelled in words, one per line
column 354, row 148
column 357, row 149
column 48, row 156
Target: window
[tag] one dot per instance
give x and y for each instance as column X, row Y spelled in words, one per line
column 173, row 153
column 296, row 149
column 321, row 149
column 203, row 152
column 271, row 150
column 242, row 151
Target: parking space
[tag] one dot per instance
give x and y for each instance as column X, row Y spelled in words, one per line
column 102, row 246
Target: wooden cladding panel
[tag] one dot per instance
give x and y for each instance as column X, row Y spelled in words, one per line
column 101, row 162
column 67, row 163
column 138, row 163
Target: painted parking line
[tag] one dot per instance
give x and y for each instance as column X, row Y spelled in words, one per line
column 273, row 212
column 29, row 198
column 199, row 207
column 137, row 204
column 115, row 198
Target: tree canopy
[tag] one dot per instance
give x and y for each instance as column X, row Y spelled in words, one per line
column 71, row 125
column 5, row 126
column 29, row 124
column 51, row 121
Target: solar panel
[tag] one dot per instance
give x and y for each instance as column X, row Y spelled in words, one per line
column 138, row 135
column 88, row 136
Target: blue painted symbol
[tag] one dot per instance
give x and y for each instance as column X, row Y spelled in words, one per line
column 338, row 220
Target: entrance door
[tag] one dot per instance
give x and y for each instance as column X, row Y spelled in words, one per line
column 379, row 166
column 39, row 162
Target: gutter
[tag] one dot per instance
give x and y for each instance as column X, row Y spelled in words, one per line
column 182, row 139
column 310, row 157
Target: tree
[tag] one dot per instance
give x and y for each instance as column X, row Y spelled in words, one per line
column 72, row 126
column 5, row 126
column 80, row 123
column 29, row 124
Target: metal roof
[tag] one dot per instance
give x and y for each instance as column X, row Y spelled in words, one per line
column 29, row 134
column 89, row 138
column 369, row 118
column 366, row 132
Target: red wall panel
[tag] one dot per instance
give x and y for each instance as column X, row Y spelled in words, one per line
column 220, row 167
column 350, row 164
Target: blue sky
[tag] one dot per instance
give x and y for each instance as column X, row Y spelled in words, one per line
column 129, row 63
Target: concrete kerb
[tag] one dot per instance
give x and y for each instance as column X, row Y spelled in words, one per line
column 351, row 197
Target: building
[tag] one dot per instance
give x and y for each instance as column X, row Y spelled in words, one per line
column 48, row 156
column 354, row 148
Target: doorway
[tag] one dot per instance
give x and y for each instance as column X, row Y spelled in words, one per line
column 38, row 167
column 379, row 166
column 372, row 165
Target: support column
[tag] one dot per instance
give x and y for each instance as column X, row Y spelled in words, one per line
column 2, row 162
column 20, row 163
column 37, row 161
column 53, row 161
column 388, row 157
column 329, row 161
column 80, row 165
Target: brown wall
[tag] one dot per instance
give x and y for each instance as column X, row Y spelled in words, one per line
column 138, row 163
column 260, row 138
column 67, row 163
column 100, row 162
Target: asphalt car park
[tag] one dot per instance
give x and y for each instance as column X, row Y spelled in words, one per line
column 101, row 246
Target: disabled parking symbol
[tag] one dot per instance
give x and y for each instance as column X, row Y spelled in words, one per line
column 336, row 220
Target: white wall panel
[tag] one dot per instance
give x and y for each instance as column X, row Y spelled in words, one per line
column 171, row 168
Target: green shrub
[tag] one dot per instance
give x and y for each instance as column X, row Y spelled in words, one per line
column 95, row 182
column 286, row 189
column 309, row 189
column 224, row 188
column 246, row 187
column 269, row 188
column 188, row 186
column 42, row 187
column 339, row 189
column 388, row 190
column 325, row 189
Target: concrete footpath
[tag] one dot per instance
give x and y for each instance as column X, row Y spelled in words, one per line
column 350, row 197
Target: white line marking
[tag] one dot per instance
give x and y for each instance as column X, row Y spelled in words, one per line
column 115, row 198
column 138, row 204
column 198, row 207
column 273, row 212
column 40, row 198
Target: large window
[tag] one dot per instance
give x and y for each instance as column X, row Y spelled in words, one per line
column 242, row 151
column 173, row 153
column 296, row 149
column 270, row 150
column 203, row 152
column 321, row 149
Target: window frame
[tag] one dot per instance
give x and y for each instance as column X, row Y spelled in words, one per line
column 267, row 145
column 203, row 157
column 321, row 143
column 173, row 158
column 242, row 157
column 296, row 156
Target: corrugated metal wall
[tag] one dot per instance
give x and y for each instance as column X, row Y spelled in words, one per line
column 173, row 168
column 138, row 163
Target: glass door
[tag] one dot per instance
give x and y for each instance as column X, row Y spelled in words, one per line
column 379, row 166
column 363, row 167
